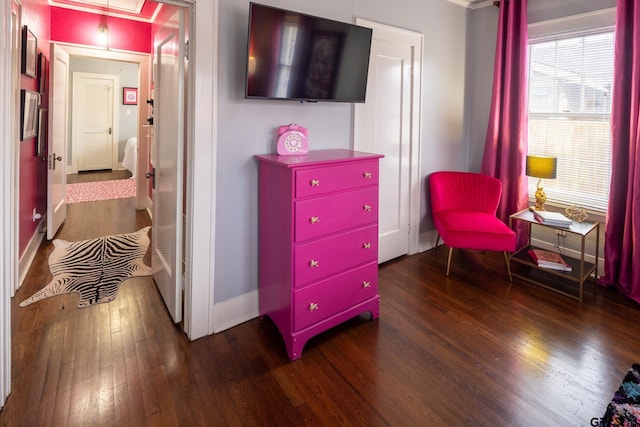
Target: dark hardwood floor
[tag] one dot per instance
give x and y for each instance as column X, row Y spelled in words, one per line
column 468, row 350
column 101, row 175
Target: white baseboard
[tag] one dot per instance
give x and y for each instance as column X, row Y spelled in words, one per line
column 235, row 311
column 427, row 240
column 30, row 253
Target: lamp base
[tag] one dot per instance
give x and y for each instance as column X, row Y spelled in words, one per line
column 541, row 198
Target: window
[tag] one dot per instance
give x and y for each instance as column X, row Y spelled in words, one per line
column 570, row 84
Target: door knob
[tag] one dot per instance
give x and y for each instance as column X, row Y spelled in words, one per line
column 152, row 174
column 52, row 161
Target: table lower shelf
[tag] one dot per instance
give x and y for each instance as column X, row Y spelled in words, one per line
column 568, row 283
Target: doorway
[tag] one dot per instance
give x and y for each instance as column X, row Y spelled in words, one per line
column 163, row 163
column 104, row 127
column 199, row 318
column 95, row 122
column 389, row 123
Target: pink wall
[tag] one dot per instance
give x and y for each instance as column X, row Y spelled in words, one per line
column 57, row 24
column 71, row 26
column 33, row 171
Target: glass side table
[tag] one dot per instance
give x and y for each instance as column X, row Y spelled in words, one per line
column 563, row 282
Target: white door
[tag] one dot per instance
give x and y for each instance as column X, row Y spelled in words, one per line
column 167, row 159
column 93, row 121
column 57, row 147
column 384, row 125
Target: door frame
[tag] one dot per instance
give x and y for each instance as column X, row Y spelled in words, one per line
column 144, row 69
column 77, row 77
column 416, row 40
column 200, row 318
column 9, row 172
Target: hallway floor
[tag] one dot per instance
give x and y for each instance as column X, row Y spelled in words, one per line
column 92, row 176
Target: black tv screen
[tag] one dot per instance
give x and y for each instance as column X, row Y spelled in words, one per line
column 291, row 55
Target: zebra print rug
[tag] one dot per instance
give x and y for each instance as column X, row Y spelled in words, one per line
column 95, row 268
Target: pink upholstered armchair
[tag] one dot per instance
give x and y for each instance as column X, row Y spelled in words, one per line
column 464, row 207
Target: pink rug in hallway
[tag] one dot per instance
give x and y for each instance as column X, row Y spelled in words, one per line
column 101, row 190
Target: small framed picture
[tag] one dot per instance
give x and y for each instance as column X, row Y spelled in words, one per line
column 29, row 103
column 129, row 96
column 42, row 73
column 41, row 141
column 29, row 61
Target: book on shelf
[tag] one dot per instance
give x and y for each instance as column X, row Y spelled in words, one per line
column 549, row 259
column 555, row 219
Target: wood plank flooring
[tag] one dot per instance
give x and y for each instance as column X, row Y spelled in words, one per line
column 100, row 175
column 471, row 350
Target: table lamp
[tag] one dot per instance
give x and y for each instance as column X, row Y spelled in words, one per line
column 541, row 167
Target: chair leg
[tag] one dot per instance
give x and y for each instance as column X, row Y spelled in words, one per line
column 506, row 258
column 449, row 261
column 437, row 241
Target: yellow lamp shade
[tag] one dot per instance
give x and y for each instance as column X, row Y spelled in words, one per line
column 541, row 166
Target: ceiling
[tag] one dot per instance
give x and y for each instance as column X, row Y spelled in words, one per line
column 146, row 10
column 139, row 10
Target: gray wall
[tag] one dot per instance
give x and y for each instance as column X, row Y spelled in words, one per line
column 128, row 73
column 246, row 127
column 481, row 42
column 457, row 78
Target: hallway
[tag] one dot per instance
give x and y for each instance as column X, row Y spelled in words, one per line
column 75, row 365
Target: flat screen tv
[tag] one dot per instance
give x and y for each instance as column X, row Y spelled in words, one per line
column 301, row 57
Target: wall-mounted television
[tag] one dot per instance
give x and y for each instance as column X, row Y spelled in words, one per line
column 301, row 57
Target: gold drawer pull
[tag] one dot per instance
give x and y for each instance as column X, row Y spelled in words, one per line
column 367, row 175
column 367, row 208
column 366, row 285
column 313, row 263
column 314, row 220
column 315, row 183
column 367, row 245
column 313, row 306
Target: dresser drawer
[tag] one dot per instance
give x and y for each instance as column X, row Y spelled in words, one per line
column 328, row 297
column 326, row 215
column 327, row 179
column 325, row 257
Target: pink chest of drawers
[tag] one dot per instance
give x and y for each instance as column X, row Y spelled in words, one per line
column 318, row 241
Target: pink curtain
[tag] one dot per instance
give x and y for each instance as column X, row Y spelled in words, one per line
column 622, row 236
column 506, row 143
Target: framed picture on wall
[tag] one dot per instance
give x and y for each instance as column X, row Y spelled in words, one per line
column 29, row 102
column 42, row 73
column 129, row 96
column 41, row 141
column 29, row 53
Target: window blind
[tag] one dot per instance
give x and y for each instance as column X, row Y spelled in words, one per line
column 569, row 100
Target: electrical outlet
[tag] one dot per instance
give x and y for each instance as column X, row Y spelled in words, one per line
column 561, row 233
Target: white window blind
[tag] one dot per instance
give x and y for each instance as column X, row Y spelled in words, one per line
column 570, row 83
